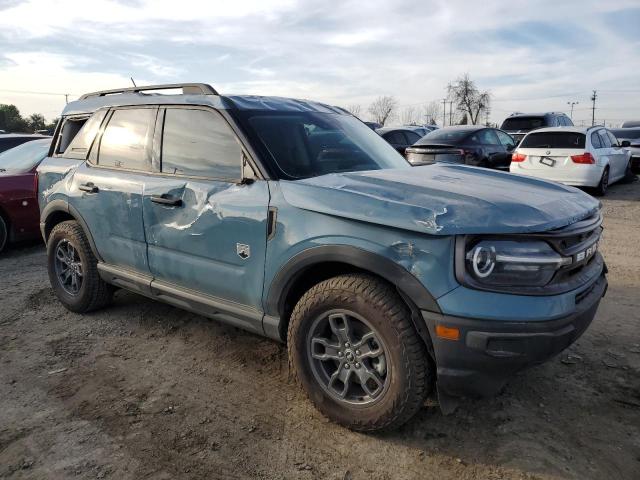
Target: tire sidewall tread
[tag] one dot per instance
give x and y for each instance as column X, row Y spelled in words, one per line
column 380, row 303
column 94, row 292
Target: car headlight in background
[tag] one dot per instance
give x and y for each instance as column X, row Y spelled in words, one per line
column 504, row 263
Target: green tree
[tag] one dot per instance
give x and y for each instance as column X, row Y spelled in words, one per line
column 11, row 120
column 36, row 121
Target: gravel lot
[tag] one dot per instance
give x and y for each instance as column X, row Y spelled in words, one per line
column 145, row 391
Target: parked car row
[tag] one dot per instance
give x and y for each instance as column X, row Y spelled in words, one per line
column 549, row 147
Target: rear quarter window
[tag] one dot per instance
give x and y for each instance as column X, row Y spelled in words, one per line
column 554, row 140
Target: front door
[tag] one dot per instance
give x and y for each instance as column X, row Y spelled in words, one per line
column 206, row 230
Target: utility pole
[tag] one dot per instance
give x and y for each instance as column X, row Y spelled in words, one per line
column 572, row 104
column 444, row 112
column 593, row 109
column 66, row 98
column 451, row 113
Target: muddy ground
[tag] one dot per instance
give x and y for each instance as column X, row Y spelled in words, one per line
column 146, row 391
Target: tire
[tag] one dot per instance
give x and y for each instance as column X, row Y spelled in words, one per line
column 374, row 310
column 601, row 189
column 90, row 291
column 4, row 234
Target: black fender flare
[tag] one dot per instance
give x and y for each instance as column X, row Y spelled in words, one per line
column 60, row 205
column 407, row 284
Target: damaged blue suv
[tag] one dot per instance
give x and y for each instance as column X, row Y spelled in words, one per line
column 294, row 220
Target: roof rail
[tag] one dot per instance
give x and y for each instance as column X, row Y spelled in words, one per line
column 187, row 88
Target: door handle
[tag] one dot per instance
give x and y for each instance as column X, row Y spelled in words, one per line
column 165, row 199
column 89, row 188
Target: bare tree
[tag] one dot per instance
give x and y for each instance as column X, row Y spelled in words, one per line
column 354, row 109
column 382, row 109
column 410, row 116
column 431, row 112
column 468, row 98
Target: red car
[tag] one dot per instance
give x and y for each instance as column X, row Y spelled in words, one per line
column 19, row 214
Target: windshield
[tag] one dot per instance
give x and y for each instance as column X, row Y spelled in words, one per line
column 24, row 157
column 626, row 133
column 553, row 140
column 444, row 135
column 523, row 123
column 309, row 144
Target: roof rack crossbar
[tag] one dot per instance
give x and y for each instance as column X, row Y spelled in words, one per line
column 187, row 88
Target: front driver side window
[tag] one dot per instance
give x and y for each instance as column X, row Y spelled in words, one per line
column 200, row 143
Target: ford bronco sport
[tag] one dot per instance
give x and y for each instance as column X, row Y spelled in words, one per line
column 294, row 220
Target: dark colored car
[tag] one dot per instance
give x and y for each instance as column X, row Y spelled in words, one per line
column 519, row 124
column 468, row 144
column 399, row 138
column 19, row 214
column 630, row 124
column 631, row 135
column 10, row 140
column 373, row 125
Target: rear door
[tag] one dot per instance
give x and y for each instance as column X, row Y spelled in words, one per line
column 508, row 145
column 107, row 190
column 493, row 149
column 206, row 230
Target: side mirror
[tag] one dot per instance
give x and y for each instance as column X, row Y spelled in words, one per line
column 625, row 143
column 511, row 147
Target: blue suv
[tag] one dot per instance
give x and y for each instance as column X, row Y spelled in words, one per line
column 294, row 220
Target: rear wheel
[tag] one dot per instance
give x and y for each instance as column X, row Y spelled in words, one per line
column 73, row 270
column 601, row 189
column 4, row 234
column 356, row 353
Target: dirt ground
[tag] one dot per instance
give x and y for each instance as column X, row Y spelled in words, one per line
column 142, row 390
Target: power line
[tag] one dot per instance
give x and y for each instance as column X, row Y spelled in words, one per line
column 27, row 92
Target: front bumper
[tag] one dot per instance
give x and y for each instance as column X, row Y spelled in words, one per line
column 489, row 352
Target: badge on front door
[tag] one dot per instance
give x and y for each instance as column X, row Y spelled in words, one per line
column 243, row 250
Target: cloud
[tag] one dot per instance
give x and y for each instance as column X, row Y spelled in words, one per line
column 531, row 56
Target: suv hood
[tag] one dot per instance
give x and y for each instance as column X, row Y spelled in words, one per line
column 443, row 199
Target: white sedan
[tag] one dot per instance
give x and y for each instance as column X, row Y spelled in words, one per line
column 584, row 157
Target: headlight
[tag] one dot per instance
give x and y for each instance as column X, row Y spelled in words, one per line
column 504, row 263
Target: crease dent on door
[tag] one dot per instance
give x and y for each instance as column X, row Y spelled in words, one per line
column 214, row 242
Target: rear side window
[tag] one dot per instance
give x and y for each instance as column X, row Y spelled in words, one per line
column 595, row 140
column 200, row 143
column 79, row 146
column 553, row 140
column 487, row 137
column 126, row 139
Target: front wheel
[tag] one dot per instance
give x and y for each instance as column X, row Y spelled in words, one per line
column 73, row 270
column 356, row 353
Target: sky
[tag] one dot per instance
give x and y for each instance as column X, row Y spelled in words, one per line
column 530, row 55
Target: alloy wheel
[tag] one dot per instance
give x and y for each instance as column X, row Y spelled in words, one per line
column 68, row 267
column 348, row 358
